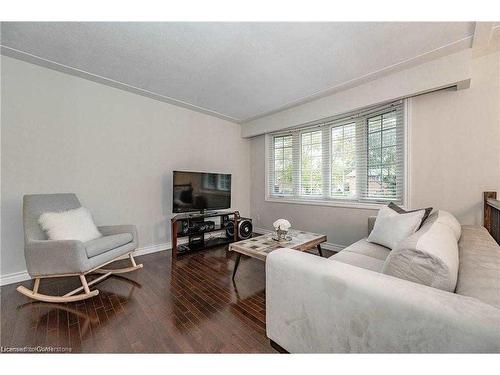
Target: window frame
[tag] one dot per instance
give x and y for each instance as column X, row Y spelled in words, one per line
column 358, row 203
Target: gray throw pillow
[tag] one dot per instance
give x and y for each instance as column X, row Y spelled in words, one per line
column 400, row 210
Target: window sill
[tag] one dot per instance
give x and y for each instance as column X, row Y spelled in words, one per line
column 310, row 202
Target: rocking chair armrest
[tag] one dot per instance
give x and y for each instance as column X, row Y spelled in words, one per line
column 108, row 230
column 51, row 257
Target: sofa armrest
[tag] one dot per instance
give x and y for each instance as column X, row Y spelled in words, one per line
column 50, row 257
column 108, row 230
column 319, row 305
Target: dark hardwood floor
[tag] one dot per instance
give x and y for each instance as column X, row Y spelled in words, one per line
column 191, row 306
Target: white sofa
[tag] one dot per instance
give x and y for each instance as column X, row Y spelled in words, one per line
column 346, row 303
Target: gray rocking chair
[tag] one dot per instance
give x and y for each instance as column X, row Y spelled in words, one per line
column 46, row 258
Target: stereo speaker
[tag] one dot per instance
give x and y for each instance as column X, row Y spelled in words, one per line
column 245, row 228
column 229, row 225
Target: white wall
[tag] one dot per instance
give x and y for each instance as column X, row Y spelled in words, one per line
column 455, row 156
column 456, row 144
column 114, row 149
column 446, row 71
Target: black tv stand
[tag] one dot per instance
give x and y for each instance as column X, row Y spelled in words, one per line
column 193, row 226
column 202, row 212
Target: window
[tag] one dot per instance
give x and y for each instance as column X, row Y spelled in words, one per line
column 343, row 161
column 282, row 165
column 358, row 157
column 382, row 156
column 311, row 179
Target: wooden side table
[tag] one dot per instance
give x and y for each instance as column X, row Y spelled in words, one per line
column 259, row 247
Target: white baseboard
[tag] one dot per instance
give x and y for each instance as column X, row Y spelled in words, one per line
column 325, row 245
column 153, row 249
column 17, row 277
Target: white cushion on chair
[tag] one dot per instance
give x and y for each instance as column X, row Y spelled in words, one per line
column 74, row 224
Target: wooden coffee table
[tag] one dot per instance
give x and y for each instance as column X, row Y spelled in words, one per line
column 259, row 247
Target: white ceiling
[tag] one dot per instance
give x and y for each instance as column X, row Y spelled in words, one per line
column 235, row 70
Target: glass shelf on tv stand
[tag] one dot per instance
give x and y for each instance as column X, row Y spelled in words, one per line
column 191, row 215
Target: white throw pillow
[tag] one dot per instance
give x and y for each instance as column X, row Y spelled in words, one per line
column 391, row 227
column 74, row 224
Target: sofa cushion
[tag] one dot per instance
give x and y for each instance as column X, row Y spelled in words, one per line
column 106, row 243
column 428, row 257
column 391, row 227
column 479, row 271
column 363, row 254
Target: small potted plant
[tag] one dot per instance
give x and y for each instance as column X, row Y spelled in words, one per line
column 281, row 226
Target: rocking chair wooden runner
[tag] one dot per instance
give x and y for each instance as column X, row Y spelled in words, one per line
column 47, row 258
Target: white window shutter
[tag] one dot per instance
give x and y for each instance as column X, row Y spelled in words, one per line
column 357, row 157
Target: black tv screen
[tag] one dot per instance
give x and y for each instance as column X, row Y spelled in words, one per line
column 198, row 191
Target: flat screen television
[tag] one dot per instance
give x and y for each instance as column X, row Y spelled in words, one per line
column 199, row 191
